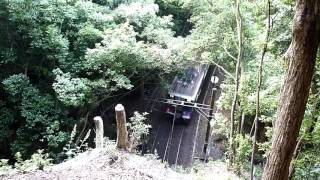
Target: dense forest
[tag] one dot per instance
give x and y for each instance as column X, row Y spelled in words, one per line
column 65, row 61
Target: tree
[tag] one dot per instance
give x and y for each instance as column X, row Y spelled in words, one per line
column 75, row 56
column 300, row 56
column 307, row 141
column 305, row 160
column 237, row 82
column 220, row 46
column 256, row 118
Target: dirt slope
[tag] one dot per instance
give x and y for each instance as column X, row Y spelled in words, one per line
column 114, row 164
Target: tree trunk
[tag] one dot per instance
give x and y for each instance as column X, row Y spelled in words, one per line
column 237, row 81
column 256, row 119
column 240, row 123
column 99, row 131
column 308, row 129
column 122, row 133
column 243, row 118
column 294, row 93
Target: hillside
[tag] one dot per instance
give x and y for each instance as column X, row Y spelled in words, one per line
column 229, row 80
column 113, row 164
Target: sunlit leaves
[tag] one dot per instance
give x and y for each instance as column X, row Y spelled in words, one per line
column 74, row 55
column 71, row 91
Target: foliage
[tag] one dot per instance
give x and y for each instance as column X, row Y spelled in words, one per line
column 73, row 147
column 181, row 15
column 244, row 150
column 6, row 117
column 307, row 165
column 42, row 119
column 71, row 91
column 137, row 129
column 216, row 19
column 220, row 124
column 265, row 146
column 62, row 60
column 37, row 161
column 5, row 168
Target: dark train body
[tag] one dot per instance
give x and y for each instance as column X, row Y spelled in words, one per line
column 186, row 88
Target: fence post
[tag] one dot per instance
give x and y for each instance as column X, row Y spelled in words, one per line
column 122, row 133
column 99, row 131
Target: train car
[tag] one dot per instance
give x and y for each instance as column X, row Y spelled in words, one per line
column 186, row 88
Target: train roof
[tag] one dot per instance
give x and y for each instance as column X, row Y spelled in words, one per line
column 188, row 86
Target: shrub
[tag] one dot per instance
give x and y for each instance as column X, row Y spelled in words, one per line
column 137, row 129
column 4, row 166
column 37, row 161
column 72, row 148
column 244, row 150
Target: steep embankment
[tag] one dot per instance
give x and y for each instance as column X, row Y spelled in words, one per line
column 114, row 164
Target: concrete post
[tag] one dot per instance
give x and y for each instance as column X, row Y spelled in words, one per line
column 122, row 133
column 99, row 131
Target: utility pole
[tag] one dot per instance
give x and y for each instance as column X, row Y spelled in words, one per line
column 214, row 80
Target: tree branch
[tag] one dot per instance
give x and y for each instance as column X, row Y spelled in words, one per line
column 224, row 70
column 228, row 53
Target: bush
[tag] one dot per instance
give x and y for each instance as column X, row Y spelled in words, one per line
column 4, row 166
column 244, row 151
column 307, row 165
column 37, row 161
column 42, row 124
column 137, row 129
column 72, row 148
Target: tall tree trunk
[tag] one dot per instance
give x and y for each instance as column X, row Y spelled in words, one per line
column 309, row 129
column 256, row 119
column 294, row 93
column 236, row 90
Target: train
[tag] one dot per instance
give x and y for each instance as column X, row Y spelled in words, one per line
column 186, row 88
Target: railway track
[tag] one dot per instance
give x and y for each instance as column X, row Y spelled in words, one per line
column 180, row 144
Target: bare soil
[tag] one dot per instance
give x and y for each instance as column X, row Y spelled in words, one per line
column 113, row 164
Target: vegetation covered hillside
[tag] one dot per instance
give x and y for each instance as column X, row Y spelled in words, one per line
column 64, row 62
